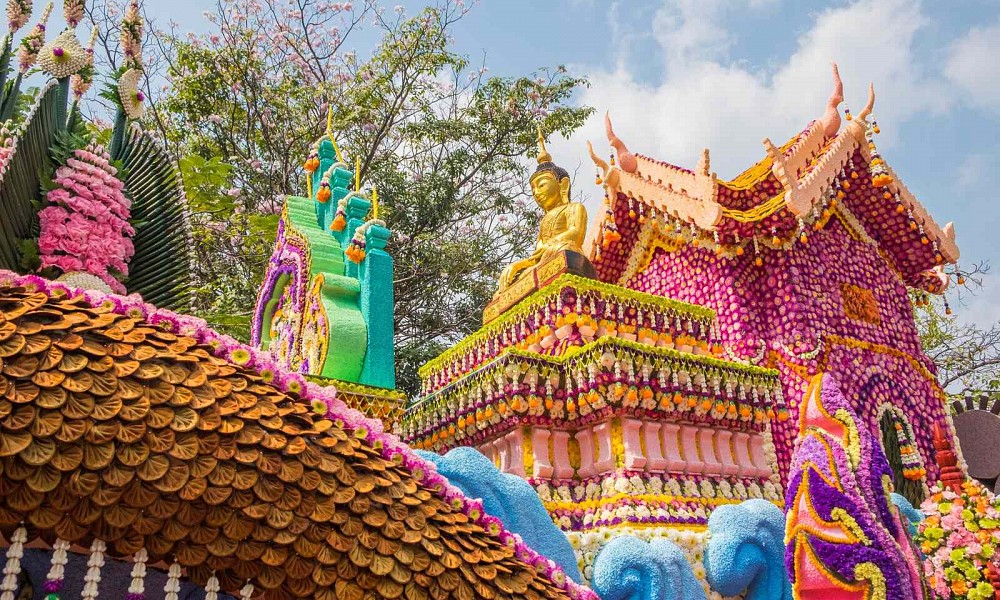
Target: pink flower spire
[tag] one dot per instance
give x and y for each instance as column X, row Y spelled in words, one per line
column 32, row 43
column 85, row 228
column 18, row 13
column 131, row 37
column 73, row 11
column 82, row 80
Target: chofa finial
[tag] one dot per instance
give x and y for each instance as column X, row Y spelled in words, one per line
column 543, row 154
column 625, row 158
column 831, row 118
column 867, row 110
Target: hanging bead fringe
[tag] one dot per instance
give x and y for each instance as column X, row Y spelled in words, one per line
column 137, row 589
column 212, row 588
column 55, row 578
column 94, row 565
column 13, row 566
column 247, row 592
column 173, row 585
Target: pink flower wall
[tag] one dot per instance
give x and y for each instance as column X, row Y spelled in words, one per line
column 790, row 313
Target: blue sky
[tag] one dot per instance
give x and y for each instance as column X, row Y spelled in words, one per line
column 682, row 75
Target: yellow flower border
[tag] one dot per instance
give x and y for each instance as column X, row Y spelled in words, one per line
column 540, row 298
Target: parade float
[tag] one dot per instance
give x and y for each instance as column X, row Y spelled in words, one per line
column 715, row 389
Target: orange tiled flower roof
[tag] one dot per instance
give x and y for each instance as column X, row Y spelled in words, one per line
column 119, row 422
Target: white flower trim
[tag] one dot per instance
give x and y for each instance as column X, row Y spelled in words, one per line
column 12, row 568
column 138, row 584
column 173, row 585
column 94, row 565
column 84, row 280
column 57, row 566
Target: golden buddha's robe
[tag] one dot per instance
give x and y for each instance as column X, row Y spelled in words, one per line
column 564, row 227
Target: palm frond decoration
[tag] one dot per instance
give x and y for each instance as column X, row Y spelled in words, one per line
column 160, row 269
column 28, row 165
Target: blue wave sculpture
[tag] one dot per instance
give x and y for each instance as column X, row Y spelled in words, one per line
column 746, row 551
column 631, row 569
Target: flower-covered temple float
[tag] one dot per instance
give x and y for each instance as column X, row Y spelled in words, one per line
column 713, row 390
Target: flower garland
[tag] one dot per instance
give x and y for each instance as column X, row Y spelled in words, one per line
column 340, row 220
column 959, row 539
column 54, row 579
column 323, row 193
column 85, row 226
column 12, row 568
column 137, row 587
column 32, row 43
column 94, row 565
column 355, row 251
column 605, row 377
column 173, row 584
column 325, row 401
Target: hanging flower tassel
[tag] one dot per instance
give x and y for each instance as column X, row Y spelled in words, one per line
column 137, row 589
column 247, row 592
column 212, row 588
column 12, row 568
column 55, row 578
column 94, row 565
column 173, row 585
column 879, row 172
column 340, row 219
column 323, row 193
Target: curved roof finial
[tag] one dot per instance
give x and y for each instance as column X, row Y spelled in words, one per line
column 867, row 110
column 600, row 162
column 625, row 158
column 831, row 118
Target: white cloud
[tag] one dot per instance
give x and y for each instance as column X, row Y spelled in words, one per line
column 707, row 100
column 974, row 66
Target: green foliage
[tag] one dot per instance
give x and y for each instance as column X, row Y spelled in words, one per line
column 446, row 145
column 160, row 269
column 967, row 355
column 21, row 184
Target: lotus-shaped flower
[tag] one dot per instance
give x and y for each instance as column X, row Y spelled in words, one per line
column 130, row 95
column 63, row 56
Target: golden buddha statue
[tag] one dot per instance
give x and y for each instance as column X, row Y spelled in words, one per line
column 564, row 225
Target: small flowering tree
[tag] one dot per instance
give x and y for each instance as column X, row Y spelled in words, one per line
column 442, row 140
column 959, row 541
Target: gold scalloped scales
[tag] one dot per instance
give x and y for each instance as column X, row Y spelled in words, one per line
column 114, row 428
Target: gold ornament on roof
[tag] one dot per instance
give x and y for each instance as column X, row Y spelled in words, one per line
column 564, row 224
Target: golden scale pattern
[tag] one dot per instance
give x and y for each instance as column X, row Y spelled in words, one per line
column 115, row 428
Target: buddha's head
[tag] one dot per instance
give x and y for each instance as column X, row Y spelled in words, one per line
column 550, row 183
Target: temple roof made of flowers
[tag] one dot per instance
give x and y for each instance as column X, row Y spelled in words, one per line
column 774, row 203
column 146, row 429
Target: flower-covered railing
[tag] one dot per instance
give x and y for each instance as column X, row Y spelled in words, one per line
column 644, row 499
column 570, row 312
column 605, row 377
